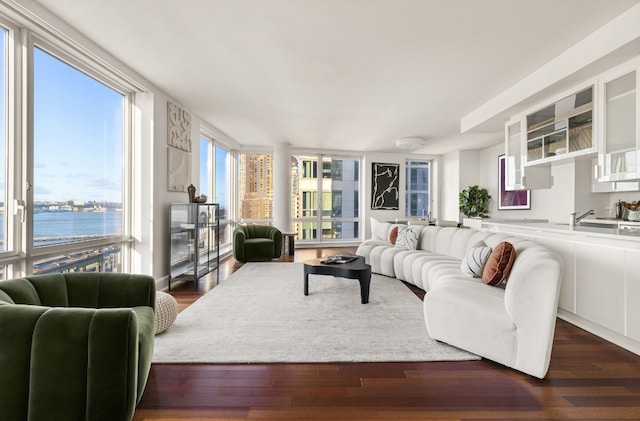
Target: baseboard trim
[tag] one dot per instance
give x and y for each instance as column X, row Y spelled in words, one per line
column 607, row 334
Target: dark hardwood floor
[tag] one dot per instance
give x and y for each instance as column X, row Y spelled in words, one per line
column 589, row 378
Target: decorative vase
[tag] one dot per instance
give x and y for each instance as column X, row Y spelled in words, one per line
column 192, row 193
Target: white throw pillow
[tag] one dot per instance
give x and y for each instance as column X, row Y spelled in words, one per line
column 475, row 259
column 380, row 230
column 408, row 237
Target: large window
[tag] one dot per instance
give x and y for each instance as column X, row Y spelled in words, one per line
column 214, row 182
column 78, row 163
column 417, row 189
column 206, row 166
column 255, row 188
column 326, row 202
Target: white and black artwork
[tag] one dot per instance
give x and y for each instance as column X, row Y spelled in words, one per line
column 385, row 184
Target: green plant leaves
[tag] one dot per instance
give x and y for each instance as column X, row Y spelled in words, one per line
column 474, row 202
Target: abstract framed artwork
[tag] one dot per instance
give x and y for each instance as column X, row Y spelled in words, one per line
column 510, row 199
column 178, row 169
column 178, row 127
column 385, row 186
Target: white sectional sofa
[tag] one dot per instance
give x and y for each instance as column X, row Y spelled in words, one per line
column 512, row 323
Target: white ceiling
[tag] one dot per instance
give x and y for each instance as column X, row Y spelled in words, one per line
column 337, row 74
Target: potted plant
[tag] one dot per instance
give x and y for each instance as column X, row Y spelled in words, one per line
column 474, row 202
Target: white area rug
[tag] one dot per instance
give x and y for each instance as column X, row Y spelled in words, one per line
column 260, row 314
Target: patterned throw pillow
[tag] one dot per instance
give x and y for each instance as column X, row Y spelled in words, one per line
column 475, row 260
column 408, row 237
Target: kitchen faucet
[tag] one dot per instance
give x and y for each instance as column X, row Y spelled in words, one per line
column 575, row 219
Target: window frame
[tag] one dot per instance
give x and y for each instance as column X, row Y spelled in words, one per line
column 319, row 218
column 24, row 35
column 408, row 191
column 225, row 221
column 13, row 204
column 238, row 179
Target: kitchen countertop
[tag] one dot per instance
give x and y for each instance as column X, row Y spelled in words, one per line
column 579, row 230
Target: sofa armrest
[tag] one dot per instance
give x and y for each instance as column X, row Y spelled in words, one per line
column 275, row 235
column 531, row 300
column 239, row 238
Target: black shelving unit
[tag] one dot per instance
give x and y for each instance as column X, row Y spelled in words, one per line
column 194, row 243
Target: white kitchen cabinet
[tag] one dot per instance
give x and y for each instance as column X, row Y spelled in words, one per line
column 600, row 282
column 633, row 293
column 562, row 129
column 517, row 177
column 598, row 186
column 600, row 289
column 566, row 251
column 619, row 134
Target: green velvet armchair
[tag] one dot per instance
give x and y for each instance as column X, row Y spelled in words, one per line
column 252, row 243
column 75, row 346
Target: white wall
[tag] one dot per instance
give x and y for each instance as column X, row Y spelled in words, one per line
column 449, row 187
column 460, row 169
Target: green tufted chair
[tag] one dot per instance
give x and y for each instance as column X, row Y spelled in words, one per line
column 253, row 243
column 75, row 346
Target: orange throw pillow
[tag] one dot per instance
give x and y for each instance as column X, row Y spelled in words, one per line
column 499, row 264
column 393, row 234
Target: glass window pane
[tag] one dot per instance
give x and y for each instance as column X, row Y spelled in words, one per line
column 221, row 179
column 339, row 197
column 205, row 169
column 255, row 187
column 103, row 259
column 417, row 189
column 78, row 154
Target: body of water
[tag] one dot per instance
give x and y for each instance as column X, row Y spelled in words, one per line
column 64, row 227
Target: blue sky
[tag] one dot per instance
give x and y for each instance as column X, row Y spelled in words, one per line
column 221, row 196
column 78, row 124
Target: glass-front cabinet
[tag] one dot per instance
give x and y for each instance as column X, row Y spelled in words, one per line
column 513, row 153
column 561, row 129
column 194, row 241
column 517, row 176
column 619, row 148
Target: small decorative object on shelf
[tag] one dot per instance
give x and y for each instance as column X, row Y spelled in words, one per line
column 192, row 193
column 200, row 199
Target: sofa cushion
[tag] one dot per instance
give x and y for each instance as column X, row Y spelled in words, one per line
column 499, row 264
column 380, row 230
column 393, row 234
column 473, row 263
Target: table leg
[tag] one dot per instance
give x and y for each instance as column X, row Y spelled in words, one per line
column 365, row 282
column 291, row 245
column 306, row 282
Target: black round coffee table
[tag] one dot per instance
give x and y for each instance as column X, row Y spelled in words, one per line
column 356, row 269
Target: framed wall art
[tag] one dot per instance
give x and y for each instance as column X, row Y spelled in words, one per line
column 178, row 127
column 385, row 186
column 178, row 169
column 510, row 199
